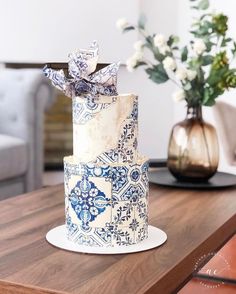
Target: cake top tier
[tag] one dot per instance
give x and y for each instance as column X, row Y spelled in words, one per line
column 83, row 80
column 105, row 130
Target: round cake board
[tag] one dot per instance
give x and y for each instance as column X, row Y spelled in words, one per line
column 58, row 238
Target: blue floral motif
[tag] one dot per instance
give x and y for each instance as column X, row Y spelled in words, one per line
column 87, row 201
column 135, row 175
column 134, row 225
column 119, row 178
column 82, row 169
column 144, row 167
column 134, row 113
column 111, row 156
column 123, row 238
column 142, row 233
column 142, row 210
column 123, row 213
column 104, row 234
column 87, row 240
column 145, row 180
column 120, row 236
column 133, row 193
column 71, row 227
column 91, row 104
column 85, row 110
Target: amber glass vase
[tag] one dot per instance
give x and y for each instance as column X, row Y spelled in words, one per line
column 193, row 153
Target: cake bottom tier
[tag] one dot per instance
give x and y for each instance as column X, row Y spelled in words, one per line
column 106, row 205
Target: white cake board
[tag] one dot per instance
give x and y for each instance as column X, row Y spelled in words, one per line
column 58, row 238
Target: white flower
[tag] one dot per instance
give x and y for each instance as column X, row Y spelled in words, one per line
column 169, row 63
column 159, row 40
column 122, row 23
column 181, row 74
column 191, row 74
column 131, row 63
column 139, row 45
column 133, row 60
column 199, row 46
column 164, row 49
column 179, row 95
column 138, row 55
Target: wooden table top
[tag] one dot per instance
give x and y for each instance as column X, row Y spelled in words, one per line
column 196, row 222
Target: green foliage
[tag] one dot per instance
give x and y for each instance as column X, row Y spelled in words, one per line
column 140, row 63
column 210, row 63
column 234, row 49
column 220, row 24
column 157, row 74
column 220, row 60
column 142, row 21
column 156, row 53
column 129, row 28
column 172, row 40
column 184, row 54
column 201, row 5
column 207, row 59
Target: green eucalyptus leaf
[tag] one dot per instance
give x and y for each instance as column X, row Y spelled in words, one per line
column 206, row 95
column 158, row 56
column 209, row 96
column 172, row 40
column 149, row 42
column 210, row 102
column 140, row 63
column 225, row 41
column 142, row 21
column 184, row 54
column 208, row 44
column 204, row 15
column 157, row 74
column 129, row 28
column 207, row 59
column 203, row 4
column 234, row 48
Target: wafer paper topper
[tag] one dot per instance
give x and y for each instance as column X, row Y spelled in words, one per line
column 83, row 80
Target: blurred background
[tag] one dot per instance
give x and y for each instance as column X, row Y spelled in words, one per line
column 39, row 31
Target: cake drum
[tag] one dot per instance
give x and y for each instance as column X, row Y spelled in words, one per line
column 57, row 237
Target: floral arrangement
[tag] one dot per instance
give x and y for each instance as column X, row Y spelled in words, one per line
column 202, row 69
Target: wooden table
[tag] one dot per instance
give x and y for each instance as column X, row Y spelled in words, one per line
column 197, row 222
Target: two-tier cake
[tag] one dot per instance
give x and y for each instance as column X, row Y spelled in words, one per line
column 106, row 183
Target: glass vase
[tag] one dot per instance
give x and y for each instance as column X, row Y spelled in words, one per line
column 193, row 153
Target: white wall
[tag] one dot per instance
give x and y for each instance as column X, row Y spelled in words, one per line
column 47, row 30
column 184, row 19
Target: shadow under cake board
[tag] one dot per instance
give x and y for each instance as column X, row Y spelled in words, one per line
column 163, row 177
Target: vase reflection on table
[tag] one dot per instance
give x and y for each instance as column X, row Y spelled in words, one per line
column 193, row 153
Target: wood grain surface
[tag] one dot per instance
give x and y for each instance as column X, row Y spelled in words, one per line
column 196, row 222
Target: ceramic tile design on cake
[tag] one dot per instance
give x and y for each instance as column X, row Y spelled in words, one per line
column 118, row 216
